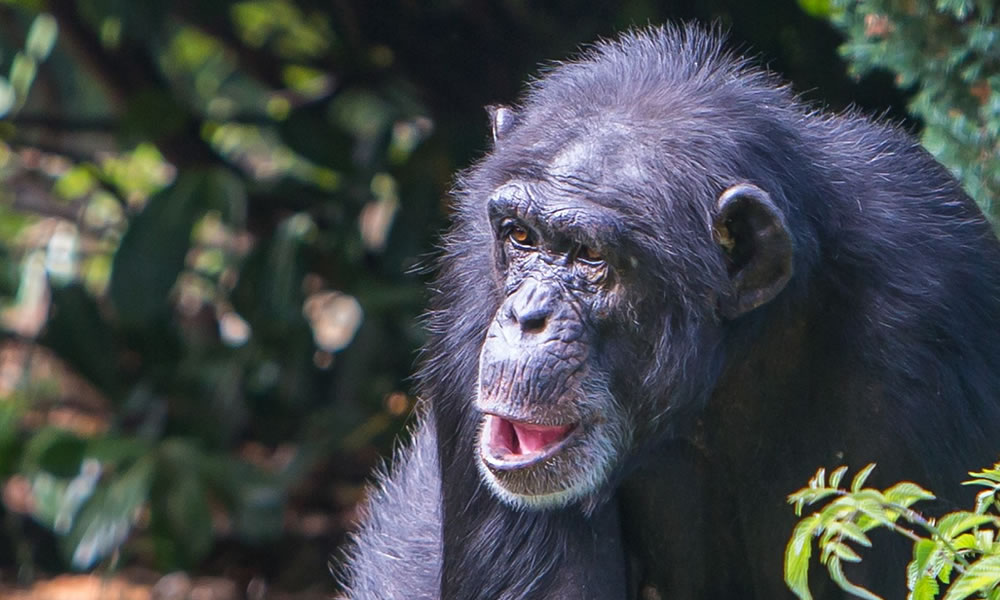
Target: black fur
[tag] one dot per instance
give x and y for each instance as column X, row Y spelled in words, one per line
column 884, row 346
column 397, row 551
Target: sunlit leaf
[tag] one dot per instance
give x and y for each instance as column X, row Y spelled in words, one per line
column 851, row 531
column 22, row 74
column 961, row 521
column 816, row 8
column 990, row 476
column 926, row 588
column 923, row 550
column 907, row 493
column 838, row 577
column 797, row 555
column 981, row 576
column 41, row 36
column 76, row 182
column 56, row 500
column 309, row 82
column 862, row 476
column 846, row 553
column 107, row 518
column 837, row 475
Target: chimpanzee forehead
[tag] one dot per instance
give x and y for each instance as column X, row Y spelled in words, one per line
column 599, row 153
column 606, row 155
column 599, row 159
column 584, row 170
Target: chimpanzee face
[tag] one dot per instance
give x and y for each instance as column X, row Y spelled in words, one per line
column 561, row 410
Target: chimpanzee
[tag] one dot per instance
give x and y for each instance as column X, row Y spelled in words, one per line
column 671, row 292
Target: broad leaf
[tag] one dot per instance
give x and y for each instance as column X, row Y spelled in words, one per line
column 107, row 518
column 78, row 332
column 980, row 577
column 153, row 250
column 797, row 555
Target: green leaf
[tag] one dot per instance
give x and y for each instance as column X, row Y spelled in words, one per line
column 41, row 36
column 992, row 476
column 254, row 498
column 7, row 97
column 797, row 555
column 115, row 451
column 907, row 493
column 180, row 503
column 22, row 73
column 153, row 250
column 817, row 8
column 984, row 500
column 980, row 577
column 838, row 577
column 846, row 553
column 184, row 506
column 958, row 522
column 58, row 498
column 853, row 532
column 809, row 496
column 926, row 588
column 12, row 411
column 107, row 518
column 80, row 335
column 76, row 182
column 837, row 476
column 946, row 568
column 861, row 477
column 985, row 541
column 55, row 451
column 269, row 293
column 819, row 480
column 923, row 550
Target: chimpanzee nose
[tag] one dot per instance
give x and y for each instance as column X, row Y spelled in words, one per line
column 534, row 320
column 531, row 307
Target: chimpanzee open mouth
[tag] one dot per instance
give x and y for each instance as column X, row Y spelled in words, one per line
column 510, row 445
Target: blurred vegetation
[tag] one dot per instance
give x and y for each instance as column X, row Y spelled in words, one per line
column 948, row 53
column 212, row 218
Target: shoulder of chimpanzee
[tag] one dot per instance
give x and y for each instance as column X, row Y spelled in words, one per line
column 392, row 557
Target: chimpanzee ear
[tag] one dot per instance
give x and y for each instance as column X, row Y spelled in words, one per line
column 759, row 250
column 502, row 119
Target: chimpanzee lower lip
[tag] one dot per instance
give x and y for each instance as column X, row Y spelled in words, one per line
column 497, row 454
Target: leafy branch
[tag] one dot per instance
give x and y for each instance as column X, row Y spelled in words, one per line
column 960, row 544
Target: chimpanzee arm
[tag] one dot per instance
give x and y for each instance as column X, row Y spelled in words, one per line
column 396, row 554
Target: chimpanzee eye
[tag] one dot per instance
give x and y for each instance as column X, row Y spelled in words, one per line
column 588, row 255
column 520, row 237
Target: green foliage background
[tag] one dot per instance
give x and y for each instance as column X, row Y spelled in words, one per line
column 947, row 52
column 213, row 218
